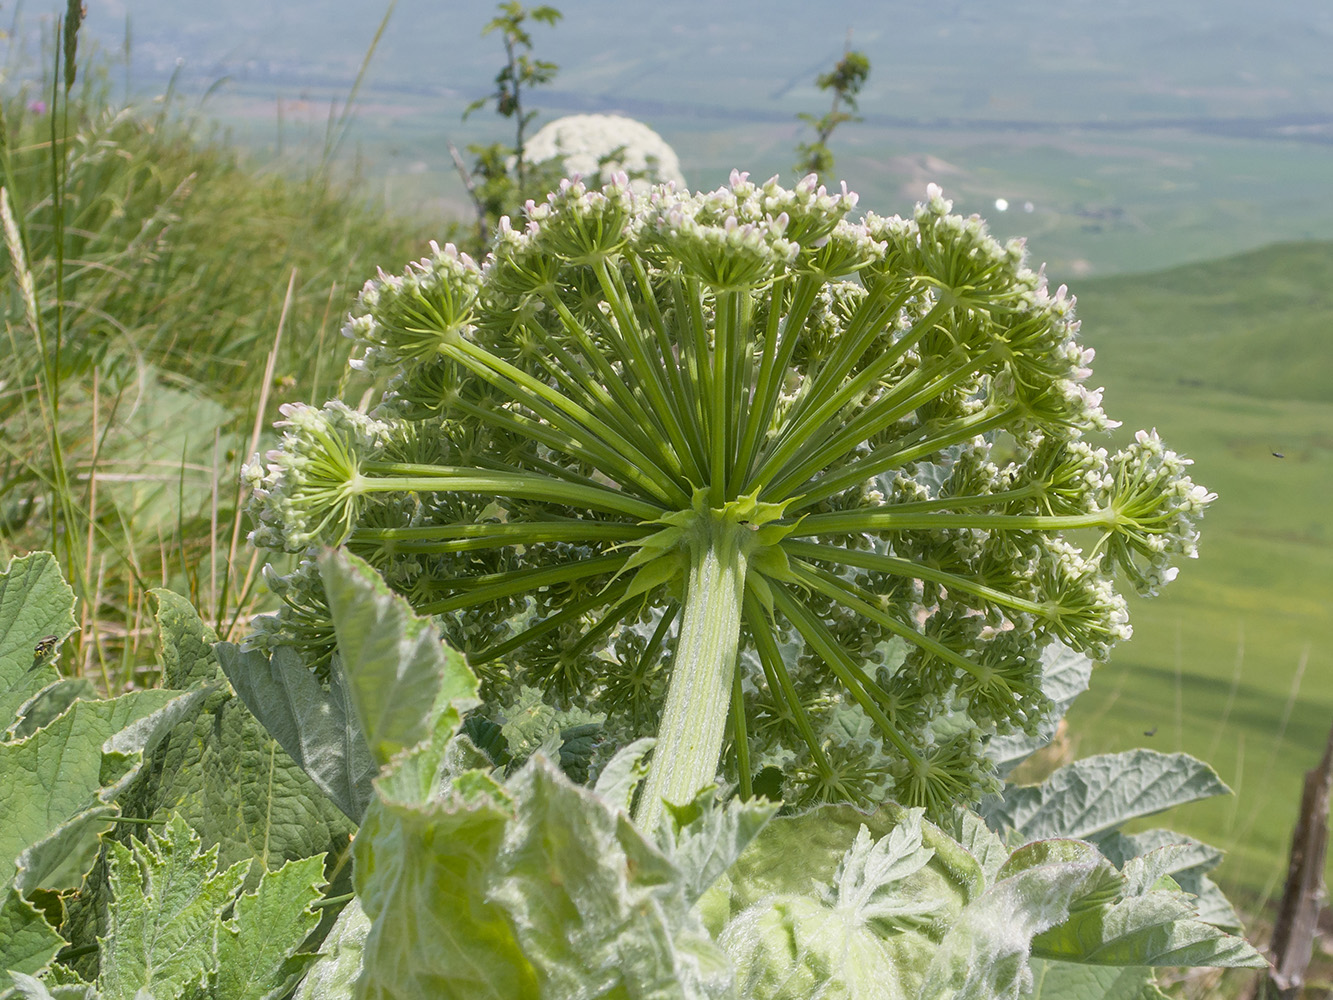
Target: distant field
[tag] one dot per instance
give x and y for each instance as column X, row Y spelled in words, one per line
column 1231, row 361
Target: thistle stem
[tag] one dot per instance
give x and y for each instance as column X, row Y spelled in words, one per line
column 694, row 719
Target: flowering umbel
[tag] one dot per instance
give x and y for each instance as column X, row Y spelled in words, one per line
column 731, row 466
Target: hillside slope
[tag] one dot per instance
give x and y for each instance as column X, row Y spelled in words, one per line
column 1232, row 360
column 1259, row 324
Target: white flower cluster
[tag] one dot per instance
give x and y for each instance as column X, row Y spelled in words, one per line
column 311, row 484
column 599, row 146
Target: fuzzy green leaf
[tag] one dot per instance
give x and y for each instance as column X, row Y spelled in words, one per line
column 257, row 950
column 62, row 858
column 984, row 954
column 1189, row 869
column 624, row 772
column 162, row 928
column 421, row 875
column 185, row 642
column 35, row 602
column 49, row 704
column 839, row 903
column 317, row 728
column 334, row 973
column 616, row 921
column 1097, row 794
column 404, row 682
column 1150, row 922
column 223, row 773
column 1066, row 981
column 27, row 942
column 706, row 847
column 59, row 771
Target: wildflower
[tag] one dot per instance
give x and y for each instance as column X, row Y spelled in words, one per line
column 726, row 460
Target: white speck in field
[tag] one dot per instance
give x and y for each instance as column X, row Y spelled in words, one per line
column 1001, row 204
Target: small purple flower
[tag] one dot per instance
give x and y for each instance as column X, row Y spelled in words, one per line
column 37, row 107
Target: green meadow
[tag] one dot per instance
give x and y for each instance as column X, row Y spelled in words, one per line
column 1231, row 361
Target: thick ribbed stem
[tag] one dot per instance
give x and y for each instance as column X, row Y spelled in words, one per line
column 694, row 720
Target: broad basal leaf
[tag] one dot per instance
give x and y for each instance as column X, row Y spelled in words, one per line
column 334, row 973
column 984, row 954
column 35, row 602
column 1189, row 869
column 161, row 930
column 1147, row 922
column 1066, row 981
column 223, row 773
column 318, row 728
column 597, row 911
column 838, row 903
column 704, row 839
column 1096, row 794
column 257, row 949
column 27, row 942
column 422, row 871
column 403, row 680
column 61, row 770
column 47, row 705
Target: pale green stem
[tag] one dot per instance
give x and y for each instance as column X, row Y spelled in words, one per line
column 694, row 720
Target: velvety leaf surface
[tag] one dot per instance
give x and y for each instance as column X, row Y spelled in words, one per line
column 404, row 682
column 984, row 954
column 58, row 771
column 35, row 602
column 710, row 838
column 1096, row 794
column 257, row 949
column 334, row 973
column 223, row 772
column 616, row 922
column 421, row 875
column 27, row 942
column 836, row 902
column 168, row 897
column 62, row 858
column 1189, row 870
column 48, row 705
column 1065, row 981
column 319, row 729
column 1148, row 922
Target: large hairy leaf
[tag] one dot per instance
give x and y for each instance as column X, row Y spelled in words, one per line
column 334, row 973
column 35, row 602
column 168, row 898
column 1067, row 981
column 257, row 949
column 1097, row 794
column 403, row 680
column 617, row 921
column 222, row 772
column 78, row 761
column 27, row 942
column 835, row 902
column 166, row 936
column 421, row 873
column 318, row 728
column 1148, row 922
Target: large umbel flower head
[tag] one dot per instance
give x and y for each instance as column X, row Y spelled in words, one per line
column 727, row 465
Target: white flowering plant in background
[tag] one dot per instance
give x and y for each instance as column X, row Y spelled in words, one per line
column 796, row 494
column 597, row 147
